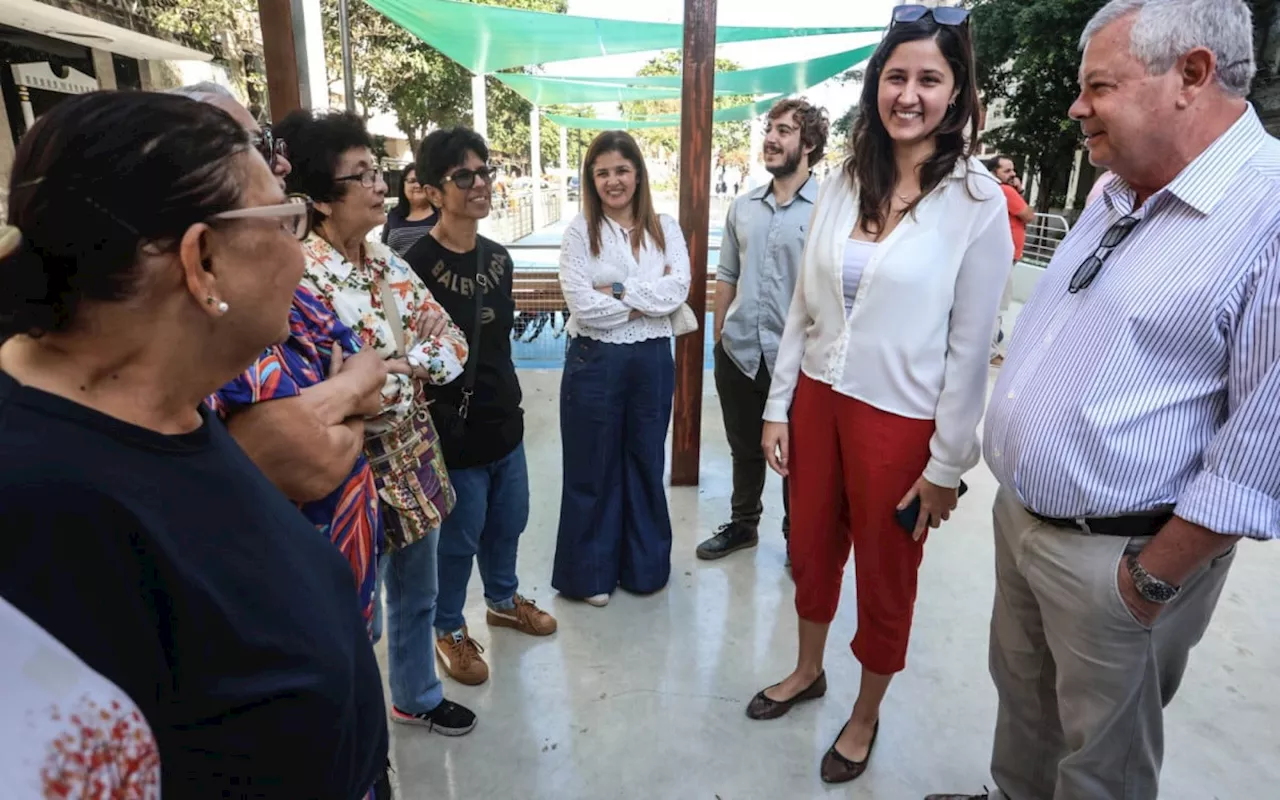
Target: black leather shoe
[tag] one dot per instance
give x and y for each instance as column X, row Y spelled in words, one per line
column 728, row 539
column 838, row 769
column 764, row 707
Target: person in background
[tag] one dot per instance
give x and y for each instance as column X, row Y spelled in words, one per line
column 308, row 443
column 478, row 414
column 884, row 413
column 763, row 241
column 412, row 216
column 1134, row 428
column 375, row 294
column 624, row 270
column 1020, row 215
column 136, row 532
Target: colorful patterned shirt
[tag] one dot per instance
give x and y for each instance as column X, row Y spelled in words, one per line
column 401, row 442
column 353, row 294
column 349, row 515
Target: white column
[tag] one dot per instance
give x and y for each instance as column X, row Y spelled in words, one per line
column 28, row 112
column 479, row 107
column 104, row 68
column 755, row 161
column 1074, row 184
column 308, row 43
column 564, row 172
column 535, row 167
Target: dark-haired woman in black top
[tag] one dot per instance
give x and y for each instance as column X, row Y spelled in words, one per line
column 136, row 532
column 412, row 217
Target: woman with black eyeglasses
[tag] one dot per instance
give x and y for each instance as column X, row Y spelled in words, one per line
column 412, row 216
column 375, row 294
column 478, row 415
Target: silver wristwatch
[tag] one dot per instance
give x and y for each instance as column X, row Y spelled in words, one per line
column 1152, row 589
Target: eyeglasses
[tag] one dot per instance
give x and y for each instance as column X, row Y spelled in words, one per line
column 466, row 178
column 294, row 215
column 271, row 148
column 943, row 15
column 1092, row 265
column 368, row 178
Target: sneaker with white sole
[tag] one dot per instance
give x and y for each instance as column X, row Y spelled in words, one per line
column 525, row 617
column 446, row 719
column 459, row 655
column 598, row 600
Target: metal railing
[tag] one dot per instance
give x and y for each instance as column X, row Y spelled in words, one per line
column 539, row 338
column 512, row 215
column 1044, row 234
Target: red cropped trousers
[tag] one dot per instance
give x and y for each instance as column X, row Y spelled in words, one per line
column 850, row 464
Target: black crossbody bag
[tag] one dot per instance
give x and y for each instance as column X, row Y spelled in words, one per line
column 450, row 419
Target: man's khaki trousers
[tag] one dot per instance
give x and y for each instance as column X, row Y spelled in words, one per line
column 1082, row 685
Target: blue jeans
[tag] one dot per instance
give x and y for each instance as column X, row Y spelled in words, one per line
column 485, row 525
column 410, row 577
column 615, row 407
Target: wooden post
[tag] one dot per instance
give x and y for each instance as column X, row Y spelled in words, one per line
column 280, row 56
column 696, row 101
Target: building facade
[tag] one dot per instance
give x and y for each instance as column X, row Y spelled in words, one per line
column 57, row 48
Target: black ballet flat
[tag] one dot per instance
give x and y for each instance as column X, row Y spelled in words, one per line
column 763, row 707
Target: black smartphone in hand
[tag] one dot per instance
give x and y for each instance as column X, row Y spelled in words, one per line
column 908, row 516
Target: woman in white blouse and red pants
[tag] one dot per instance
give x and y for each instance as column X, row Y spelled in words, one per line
column 882, row 368
column 624, row 270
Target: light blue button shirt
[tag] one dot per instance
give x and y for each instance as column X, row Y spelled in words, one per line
column 760, row 253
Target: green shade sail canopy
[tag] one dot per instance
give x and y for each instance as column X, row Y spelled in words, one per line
column 741, row 113
column 778, row 79
column 487, row 38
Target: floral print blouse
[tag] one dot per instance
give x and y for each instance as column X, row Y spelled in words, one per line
column 353, row 293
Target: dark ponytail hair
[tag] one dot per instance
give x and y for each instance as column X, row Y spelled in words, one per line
column 871, row 166
column 97, row 179
column 403, row 208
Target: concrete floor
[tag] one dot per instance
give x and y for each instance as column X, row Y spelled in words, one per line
column 645, row 698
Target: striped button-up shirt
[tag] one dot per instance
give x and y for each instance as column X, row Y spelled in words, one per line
column 1158, row 386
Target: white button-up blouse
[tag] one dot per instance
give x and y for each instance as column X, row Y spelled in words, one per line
column 651, row 287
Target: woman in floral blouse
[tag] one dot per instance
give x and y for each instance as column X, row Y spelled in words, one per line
column 376, row 294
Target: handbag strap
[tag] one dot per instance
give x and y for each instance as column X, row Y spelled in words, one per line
column 473, row 346
column 392, row 310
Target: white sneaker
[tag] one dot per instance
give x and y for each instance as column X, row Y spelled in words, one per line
column 598, row 600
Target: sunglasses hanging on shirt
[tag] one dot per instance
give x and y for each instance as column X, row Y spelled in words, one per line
column 1092, row 265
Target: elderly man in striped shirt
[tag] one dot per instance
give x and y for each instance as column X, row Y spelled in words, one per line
column 1135, row 427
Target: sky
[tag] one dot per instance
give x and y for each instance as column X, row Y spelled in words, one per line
column 788, row 13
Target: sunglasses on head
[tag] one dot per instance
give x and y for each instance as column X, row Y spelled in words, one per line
column 466, row 178
column 943, row 15
column 271, row 148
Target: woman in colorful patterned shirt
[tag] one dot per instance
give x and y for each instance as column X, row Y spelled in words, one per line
column 376, row 295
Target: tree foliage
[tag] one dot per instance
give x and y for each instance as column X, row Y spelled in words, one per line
column 727, row 137
column 842, row 127
column 225, row 28
column 396, row 71
column 1028, row 57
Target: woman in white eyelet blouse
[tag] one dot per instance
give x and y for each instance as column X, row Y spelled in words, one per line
column 624, row 271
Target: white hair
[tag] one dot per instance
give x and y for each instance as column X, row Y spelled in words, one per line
column 1166, row 30
column 205, row 91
